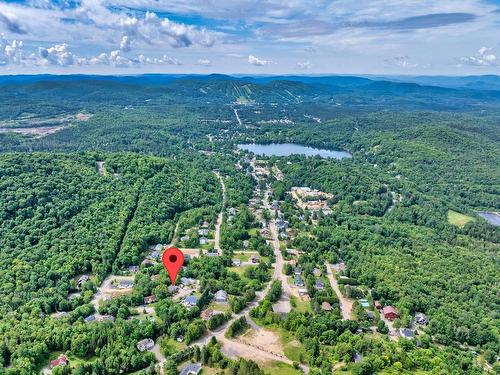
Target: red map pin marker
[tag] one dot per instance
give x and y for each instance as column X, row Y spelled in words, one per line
column 172, row 259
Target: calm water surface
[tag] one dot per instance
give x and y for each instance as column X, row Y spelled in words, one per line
column 492, row 217
column 286, row 149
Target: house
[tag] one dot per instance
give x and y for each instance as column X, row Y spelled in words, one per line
column 407, row 333
column 155, row 254
column 82, row 280
column 149, row 299
column 190, row 301
column 106, row 318
column 283, row 235
column 325, row 306
column 265, row 232
column 180, row 338
column 173, row 289
column 317, row 272
column 185, row 238
column 125, row 284
column 298, row 281
column 297, row 271
column 254, row 259
column 421, row 319
column 364, row 302
column 390, row 312
column 203, row 232
column 191, row 369
column 186, row 281
column 377, row 305
column 232, row 211
column 236, row 262
column 246, row 244
column 158, row 247
column 320, row 285
column 155, row 277
column 370, row 315
column 263, row 223
column 281, row 224
column 89, row 319
column 275, row 205
column 303, row 291
column 221, row 296
column 146, row 344
column 203, row 241
column 212, row 253
column 62, row 361
column 205, row 224
column 133, row 269
column 358, row 358
column 207, row 314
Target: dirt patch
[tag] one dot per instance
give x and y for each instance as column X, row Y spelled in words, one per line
column 83, row 116
column 264, row 340
column 37, row 132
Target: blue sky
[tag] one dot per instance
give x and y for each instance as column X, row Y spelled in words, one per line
column 250, row 36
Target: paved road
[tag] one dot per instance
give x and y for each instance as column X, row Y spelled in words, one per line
column 219, row 218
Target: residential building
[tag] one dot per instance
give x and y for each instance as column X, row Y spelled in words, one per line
column 149, row 299
column 185, row 238
column 133, row 269
column 203, row 240
column 407, row 333
column 317, row 272
column 62, row 361
column 125, row 284
column 89, row 319
column 146, row 344
column 390, row 312
column 319, row 285
column 82, row 280
column 203, row 232
column 190, row 301
column 191, row 369
column 254, row 259
column 421, row 319
column 236, row 262
column 221, row 296
column 303, row 291
column 325, row 306
column 298, row 281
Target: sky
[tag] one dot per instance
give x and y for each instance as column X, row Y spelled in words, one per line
column 424, row 37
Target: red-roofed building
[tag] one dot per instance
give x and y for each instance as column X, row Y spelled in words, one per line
column 62, row 360
column 390, row 312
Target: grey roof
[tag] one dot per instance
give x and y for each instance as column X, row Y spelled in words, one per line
column 191, row 369
column 192, row 300
column 89, row 319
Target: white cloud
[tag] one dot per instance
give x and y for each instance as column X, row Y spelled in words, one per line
column 125, row 44
column 258, row 62
column 404, row 62
column 483, row 57
column 304, row 64
column 204, row 62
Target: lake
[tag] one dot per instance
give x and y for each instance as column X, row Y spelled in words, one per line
column 492, row 217
column 286, row 149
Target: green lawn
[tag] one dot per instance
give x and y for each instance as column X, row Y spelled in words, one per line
column 301, row 306
column 458, row 219
column 239, row 270
column 224, row 307
column 279, row 368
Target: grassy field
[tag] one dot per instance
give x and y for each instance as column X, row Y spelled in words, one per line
column 239, row 270
column 458, row 219
column 224, row 307
column 279, row 368
column 299, row 305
